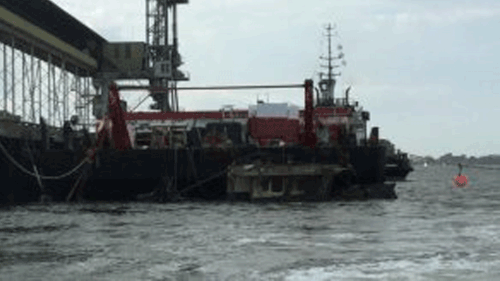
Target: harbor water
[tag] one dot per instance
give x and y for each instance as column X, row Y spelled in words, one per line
column 431, row 232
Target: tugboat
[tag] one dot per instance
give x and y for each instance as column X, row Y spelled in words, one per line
column 340, row 127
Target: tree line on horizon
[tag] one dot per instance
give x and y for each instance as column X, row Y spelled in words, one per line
column 449, row 158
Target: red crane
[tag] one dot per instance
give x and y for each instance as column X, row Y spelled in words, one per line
column 119, row 133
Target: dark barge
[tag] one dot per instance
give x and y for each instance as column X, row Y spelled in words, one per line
column 193, row 163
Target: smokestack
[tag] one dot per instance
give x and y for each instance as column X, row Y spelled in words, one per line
column 374, row 136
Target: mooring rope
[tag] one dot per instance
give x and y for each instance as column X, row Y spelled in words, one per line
column 219, row 174
column 38, row 179
column 205, row 180
column 75, row 186
column 36, row 174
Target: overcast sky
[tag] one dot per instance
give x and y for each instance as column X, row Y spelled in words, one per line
column 426, row 70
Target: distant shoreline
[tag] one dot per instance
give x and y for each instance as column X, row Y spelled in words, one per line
column 449, row 159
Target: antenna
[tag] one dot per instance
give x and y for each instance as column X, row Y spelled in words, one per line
column 328, row 79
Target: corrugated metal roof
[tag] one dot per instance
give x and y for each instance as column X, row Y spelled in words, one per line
column 53, row 19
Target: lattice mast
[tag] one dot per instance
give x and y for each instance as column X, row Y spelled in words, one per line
column 162, row 53
column 327, row 85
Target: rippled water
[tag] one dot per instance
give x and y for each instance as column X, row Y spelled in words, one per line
column 431, row 232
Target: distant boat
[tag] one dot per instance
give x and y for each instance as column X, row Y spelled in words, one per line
column 425, row 164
